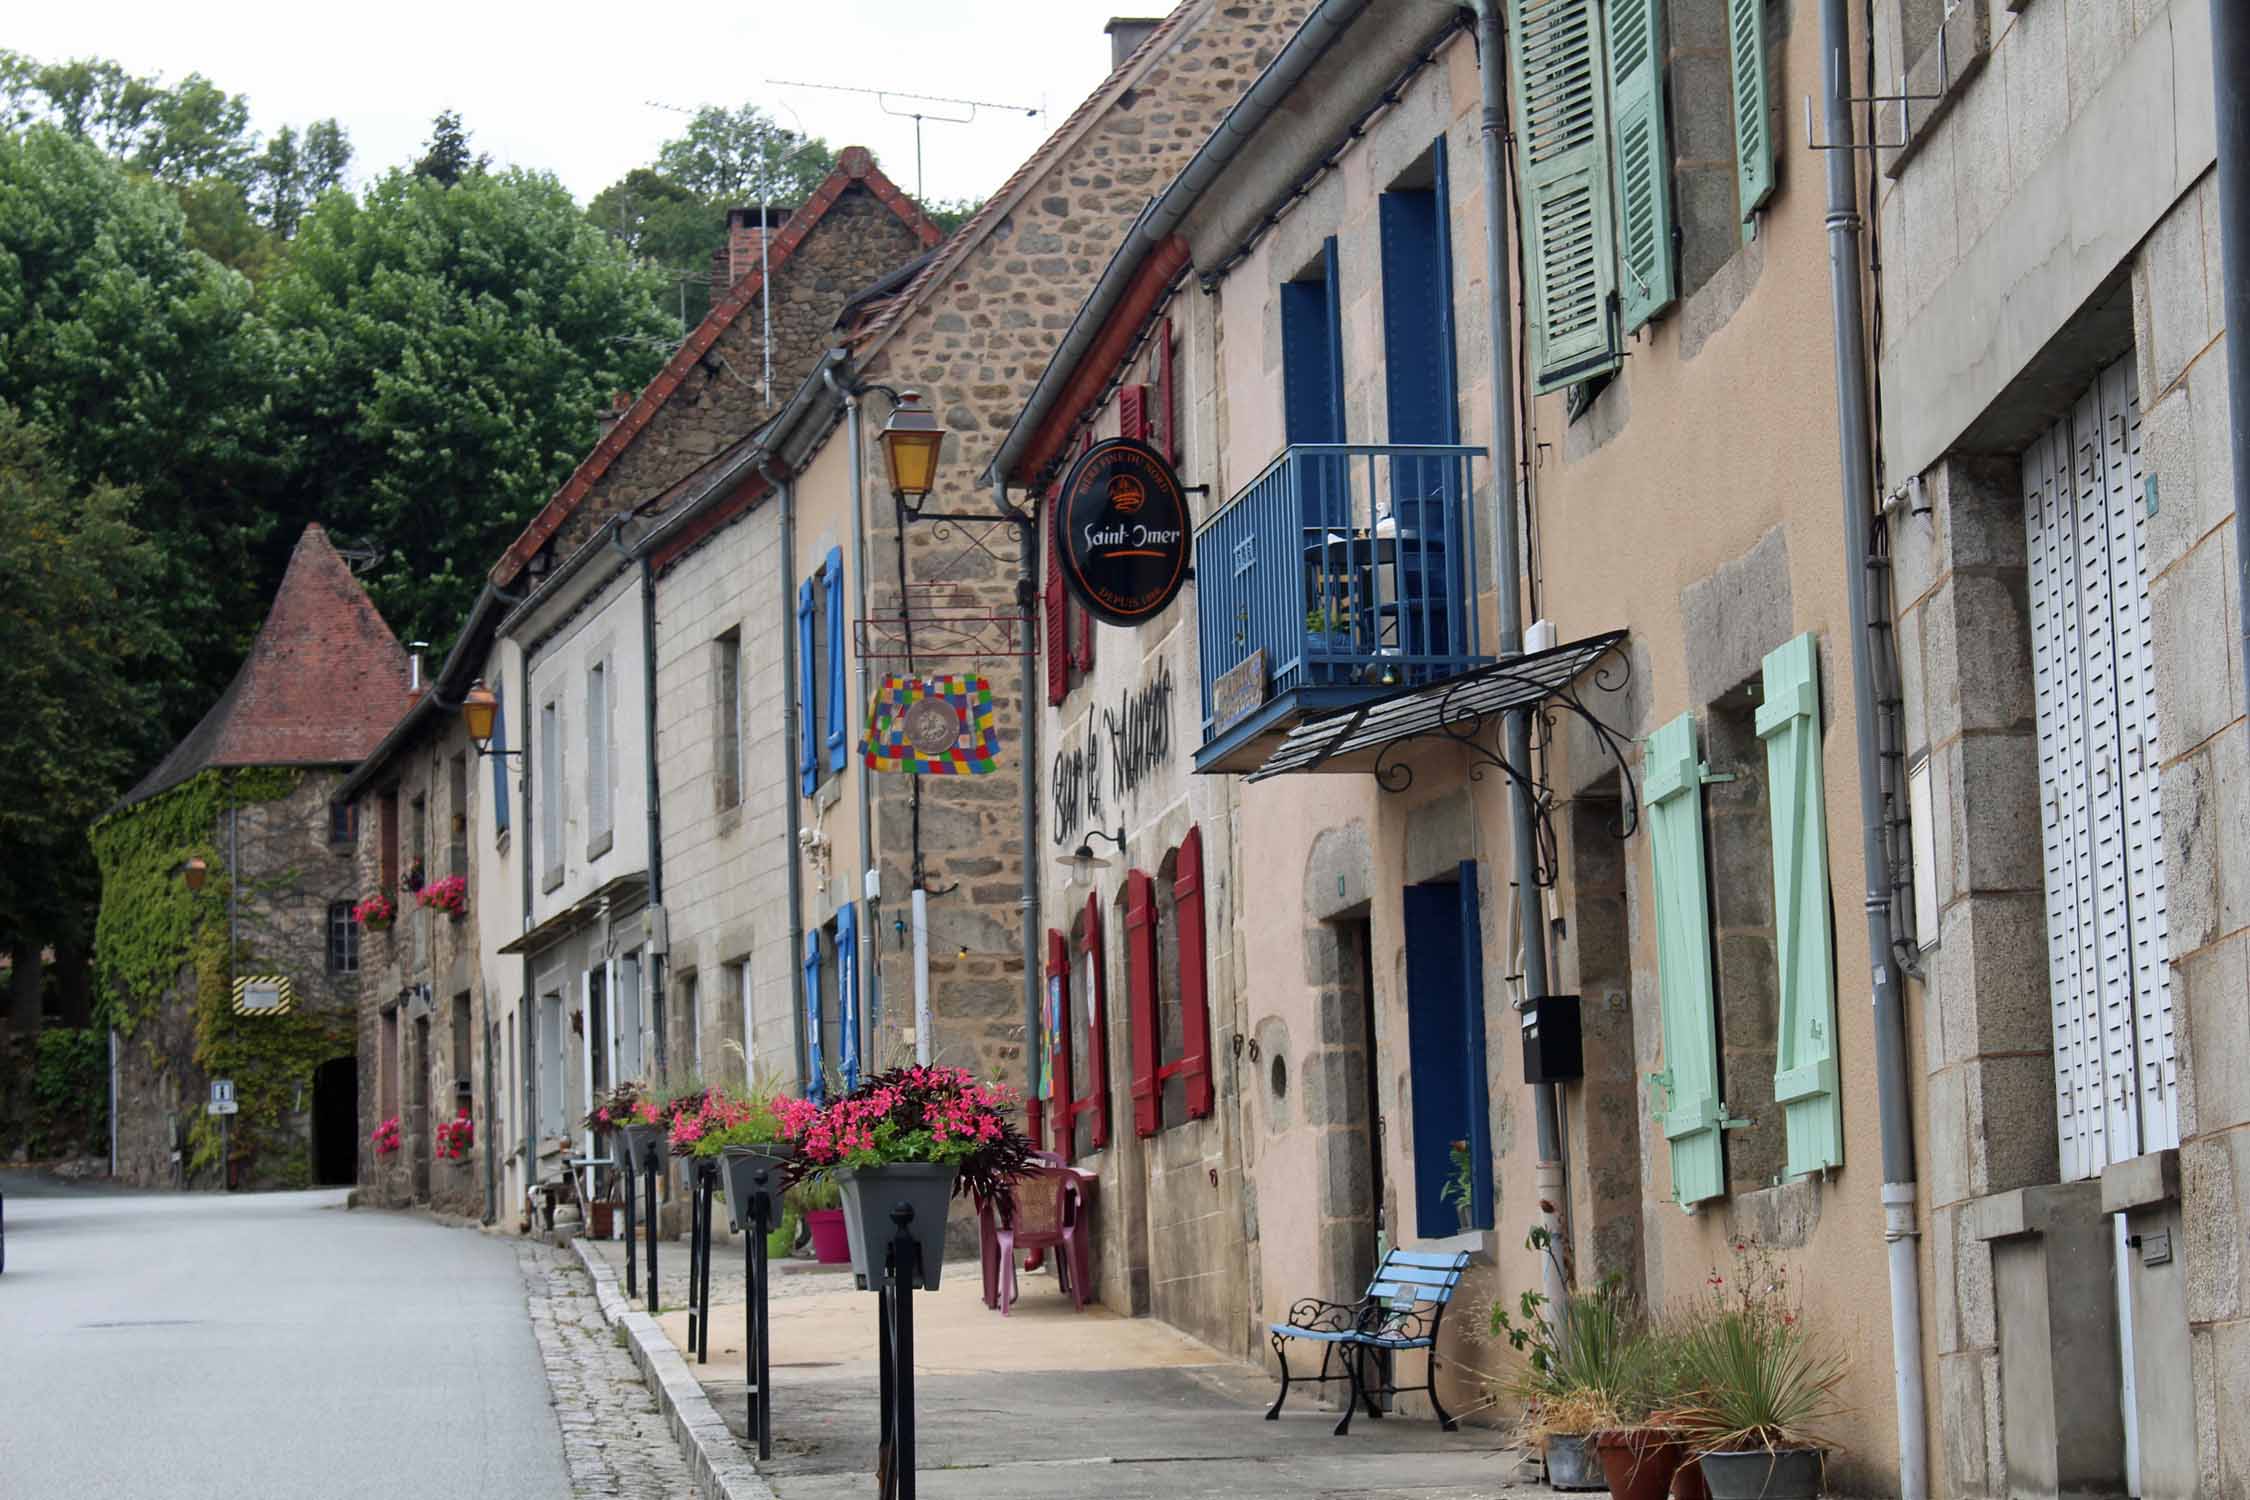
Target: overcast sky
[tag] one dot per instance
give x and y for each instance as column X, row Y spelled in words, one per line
column 567, row 85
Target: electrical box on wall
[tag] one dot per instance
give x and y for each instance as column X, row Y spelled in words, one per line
column 1552, row 1049
column 656, row 930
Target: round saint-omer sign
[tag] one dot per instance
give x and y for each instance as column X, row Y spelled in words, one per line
column 1124, row 531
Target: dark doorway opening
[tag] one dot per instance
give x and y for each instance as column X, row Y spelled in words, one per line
column 335, row 1122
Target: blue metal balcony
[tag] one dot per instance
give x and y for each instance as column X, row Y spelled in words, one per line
column 1343, row 571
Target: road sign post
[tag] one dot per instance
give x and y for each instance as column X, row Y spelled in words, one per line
column 224, row 1106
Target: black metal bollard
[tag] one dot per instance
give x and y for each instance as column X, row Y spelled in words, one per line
column 707, row 1174
column 695, row 1249
column 895, row 1308
column 632, row 1282
column 756, row 1350
column 655, row 1300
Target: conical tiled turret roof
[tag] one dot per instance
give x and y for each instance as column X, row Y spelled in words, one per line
column 324, row 682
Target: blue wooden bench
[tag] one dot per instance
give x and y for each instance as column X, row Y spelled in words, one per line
column 1401, row 1309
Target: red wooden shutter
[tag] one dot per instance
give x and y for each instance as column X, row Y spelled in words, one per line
column 1140, row 985
column 1195, row 1001
column 1167, row 396
column 1058, row 1102
column 1055, row 624
column 1082, row 623
column 1097, row 1025
column 1132, row 412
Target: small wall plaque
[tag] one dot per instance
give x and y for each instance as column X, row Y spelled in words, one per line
column 1238, row 692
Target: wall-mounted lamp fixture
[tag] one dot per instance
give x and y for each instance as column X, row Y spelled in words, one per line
column 480, row 709
column 1082, row 861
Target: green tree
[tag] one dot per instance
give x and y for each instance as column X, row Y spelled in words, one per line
column 448, row 349
column 145, row 362
column 85, row 640
column 291, row 173
column 446, row 157
column 735, row 156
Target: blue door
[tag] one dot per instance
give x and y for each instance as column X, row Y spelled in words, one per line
column 1445, row 1048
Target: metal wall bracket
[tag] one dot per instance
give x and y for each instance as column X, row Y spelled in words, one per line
column 1904, row 100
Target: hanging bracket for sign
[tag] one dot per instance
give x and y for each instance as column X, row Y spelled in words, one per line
column 1124, row 532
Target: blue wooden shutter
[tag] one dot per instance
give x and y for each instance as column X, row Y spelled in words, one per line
column 816, row 1085
column 1419, row 371
column 808, row 700
column 1472, row 1050
column 838, row 708
column 1691, row 1115
column 1312, row 383
column 1804, row 1078
column 499, row 761
column 1644, row 159
column 1562, row 146
column 1753, row 125
column 847, row 992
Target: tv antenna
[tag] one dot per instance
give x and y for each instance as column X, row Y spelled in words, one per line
column 915, row 107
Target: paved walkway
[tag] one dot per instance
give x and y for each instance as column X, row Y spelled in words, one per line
column 1049, row 1402
column 614, row 1439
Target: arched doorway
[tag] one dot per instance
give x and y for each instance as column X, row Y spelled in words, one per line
column 335, row 1122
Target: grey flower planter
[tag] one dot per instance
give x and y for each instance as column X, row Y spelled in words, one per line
column 870, row 1193
column 1571, row 1464
column 1763, row 1474
column 639, row 1141
column 744, row 1166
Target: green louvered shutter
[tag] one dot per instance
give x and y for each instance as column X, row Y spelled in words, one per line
column 1691, row 1115
column 1562, row 143
column 1644, row 160
column 1804, row 1078
column 1753, row 122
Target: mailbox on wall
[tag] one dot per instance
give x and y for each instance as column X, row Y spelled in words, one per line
column 1552, row 1051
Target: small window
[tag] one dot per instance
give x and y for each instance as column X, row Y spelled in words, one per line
column 726, row 671
column 387, row 844
column 549, row 773
column 343, row 939
column 343, row 822
column 597, row 755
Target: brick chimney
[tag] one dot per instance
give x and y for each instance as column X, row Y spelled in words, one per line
column 738, row 257
column 1126, row 33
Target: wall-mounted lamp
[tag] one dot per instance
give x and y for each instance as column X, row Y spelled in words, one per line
column 911, row 440
column 480, row 707
column 1082, row 861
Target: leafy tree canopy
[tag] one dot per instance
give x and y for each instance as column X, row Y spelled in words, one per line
column 447, row 350
column 446, row 157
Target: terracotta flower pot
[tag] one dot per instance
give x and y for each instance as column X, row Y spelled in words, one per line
column 1639, row 1462
column 1688, row 1482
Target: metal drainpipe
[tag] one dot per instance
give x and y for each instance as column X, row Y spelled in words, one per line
column 786, row 491
column 530, row 1000
column 1900, row 1231
column 1550, row 1178
column 2230, row 64
column 656, row 963
column 1026, row 589
column 868, row 937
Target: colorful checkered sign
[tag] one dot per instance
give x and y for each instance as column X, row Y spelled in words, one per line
column 933, row 726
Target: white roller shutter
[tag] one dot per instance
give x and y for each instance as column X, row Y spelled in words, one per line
column 2100, row 814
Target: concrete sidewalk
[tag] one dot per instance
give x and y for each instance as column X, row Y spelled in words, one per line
column 1049, row 1401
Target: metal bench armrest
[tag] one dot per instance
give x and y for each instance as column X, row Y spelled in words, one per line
column 1321, row 1316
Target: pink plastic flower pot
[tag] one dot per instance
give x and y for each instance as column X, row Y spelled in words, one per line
column 831, row 1243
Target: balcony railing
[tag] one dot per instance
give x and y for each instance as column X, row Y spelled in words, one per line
column 1350, row 568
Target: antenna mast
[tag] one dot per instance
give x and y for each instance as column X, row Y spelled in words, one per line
column 913, row 108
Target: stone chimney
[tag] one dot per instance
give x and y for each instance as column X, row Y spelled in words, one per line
column 1126, row 33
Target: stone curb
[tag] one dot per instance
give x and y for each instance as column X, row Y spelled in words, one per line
column 721, row 1470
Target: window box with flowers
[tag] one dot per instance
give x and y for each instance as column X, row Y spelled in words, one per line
column 385, row 1138
column 450, row 895
column 376, row 913
column 456, row 1137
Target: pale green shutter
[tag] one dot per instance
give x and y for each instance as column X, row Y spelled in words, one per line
column 1562, row 145
column 1691, row 1115
column 1644, row 160
column 1753, row 122
column 1804, row 1079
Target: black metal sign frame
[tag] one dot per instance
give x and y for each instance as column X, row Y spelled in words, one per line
column 1125, row 534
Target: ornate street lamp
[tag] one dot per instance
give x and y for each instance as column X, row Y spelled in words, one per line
column 911, row 440
column 480, row 707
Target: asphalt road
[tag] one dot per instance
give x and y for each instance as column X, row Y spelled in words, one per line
column 175, row 1347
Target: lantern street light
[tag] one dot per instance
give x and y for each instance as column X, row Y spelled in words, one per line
column 480, row 708
column 911, row 440
column 1082, row 862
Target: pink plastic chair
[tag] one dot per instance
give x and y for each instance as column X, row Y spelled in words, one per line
column 1049, row 1214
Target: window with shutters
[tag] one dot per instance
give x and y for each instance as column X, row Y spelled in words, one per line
column 1563, row 176
column 1066, row 644
column 1685, row 1096
column 1312, row 382
column 819, row 1049
column 1738, row 813
column 836, row 651
column 809, row 676
column 822, row 650
column 548, row 775
column 1078, row 1107
column 1421, row 383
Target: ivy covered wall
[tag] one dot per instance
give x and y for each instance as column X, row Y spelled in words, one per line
column 164, row 969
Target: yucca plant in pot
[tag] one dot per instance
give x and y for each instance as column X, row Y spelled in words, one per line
column 1586, row 1372
column 1764, row 1385
column 915, row 1136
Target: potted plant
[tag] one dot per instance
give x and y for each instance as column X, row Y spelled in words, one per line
column 385, row 1137
column 1580, row 1380
column 455, row 1137
column 821, row 1202
column 627, row 1110
column 1460, row 1188
column 411, row 881
column 1763, row 1383
column 910, row 1135
column 450, row 895
column 376, row 913
column 745, row 1133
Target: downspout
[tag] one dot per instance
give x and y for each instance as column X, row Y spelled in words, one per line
column 2230, row 64
column 530, row 1001
column 1027, row 587
column 868, row 937
column 1551, row 1180
column 786, row 491
column 1900, row 1232
column 654, row 961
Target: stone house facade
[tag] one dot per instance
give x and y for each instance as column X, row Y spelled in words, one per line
column 2058, row 486
column 264, row 995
